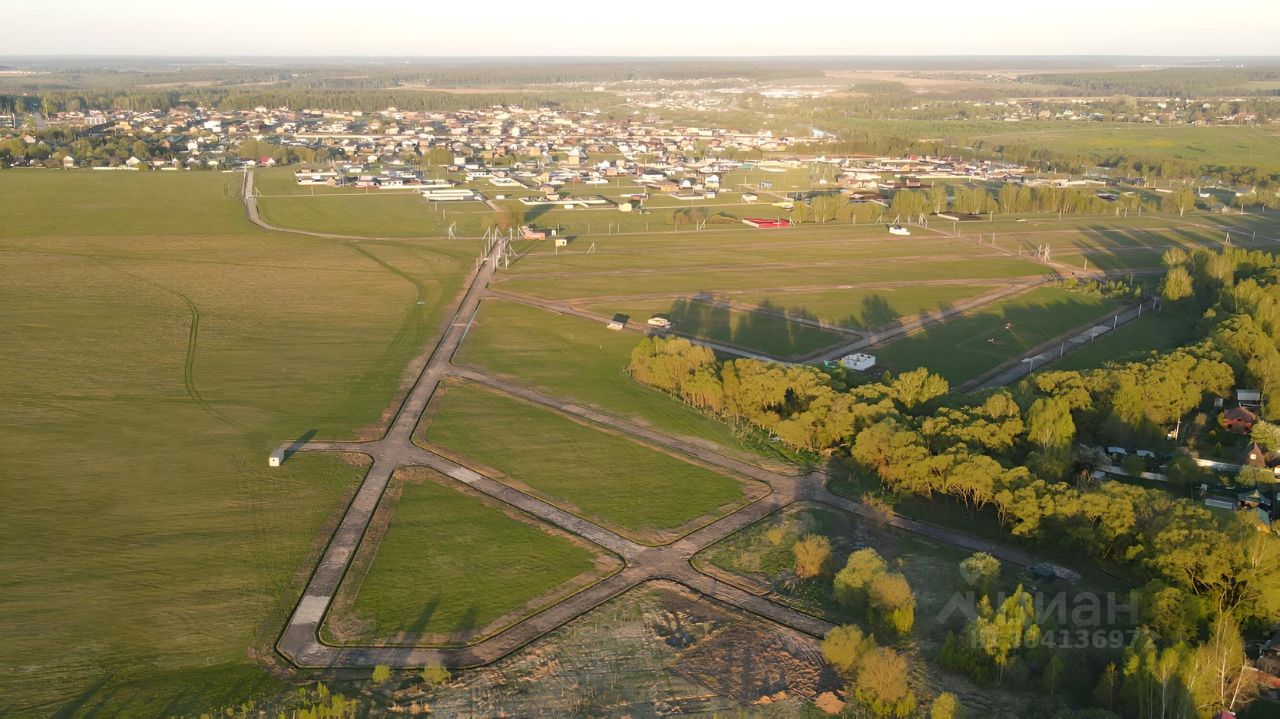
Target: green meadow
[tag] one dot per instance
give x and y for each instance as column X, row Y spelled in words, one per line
column 577, row 359
column 608, row 478
column 447, row 564
column 965, row 347
column 156, row 348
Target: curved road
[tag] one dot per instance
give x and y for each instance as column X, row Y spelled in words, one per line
column 300, row 641
column 251, row 211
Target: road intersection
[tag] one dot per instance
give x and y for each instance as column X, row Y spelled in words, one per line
column 300, row 641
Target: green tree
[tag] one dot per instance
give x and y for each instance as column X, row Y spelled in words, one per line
column 1000, row 634
column 1253, row 476
column 1051, row 678
column 917, row 387
column 1267, row 435
column 945, row 706
column 881, row 684
column 1223, row 679
column 1179, row 201
column 381, row 674
column 1177, row 284
column 980, row 571
column 1173, row 613
column 1174, row 257
column 850, row 583
column 843, row 648
column 1104, row 693
column 892, row 603
column 1049, row 424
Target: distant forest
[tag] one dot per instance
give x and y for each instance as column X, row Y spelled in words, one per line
column 343, row 100
column 1169, row 82
column 367, row 87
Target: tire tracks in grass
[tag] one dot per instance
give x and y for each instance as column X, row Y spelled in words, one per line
column 193, row 336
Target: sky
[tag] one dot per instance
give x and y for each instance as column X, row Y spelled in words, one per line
column 442, row 28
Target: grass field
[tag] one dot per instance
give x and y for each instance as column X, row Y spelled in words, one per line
column 602, row 476
column 451, row 564
column 761, row 331
column 865, row 308
column 686, row 281
column 1162, row 330
column 576, row 359
column 965, row 347
column 361, row 212
column 814, row 244
column 1222, row 145
column 376, row 215
column 121, row 204
column 149, row 551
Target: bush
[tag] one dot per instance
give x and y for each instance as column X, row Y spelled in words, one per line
column 980, row 570
column 882, row 684
column 434, row 675
column 843, row 647
column 944, row 706
column 813, row 553
column 892, row 603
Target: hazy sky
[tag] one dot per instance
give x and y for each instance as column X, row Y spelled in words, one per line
column 648, row 27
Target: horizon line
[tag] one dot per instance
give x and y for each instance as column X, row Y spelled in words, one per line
column 994, row 55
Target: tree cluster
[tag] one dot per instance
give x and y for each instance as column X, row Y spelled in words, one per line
column 877, row 675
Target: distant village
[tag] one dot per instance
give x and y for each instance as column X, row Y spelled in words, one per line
column 507, row 137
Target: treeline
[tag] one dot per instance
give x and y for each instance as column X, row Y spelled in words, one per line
column 18, row 103
column 1241, row 289
column 1011, row 198
column 1170, row 82
column 875, row 142
column 362, row 100
column 1018, row 199
column 366, row 87
column 1029, row 452
column 487, row 75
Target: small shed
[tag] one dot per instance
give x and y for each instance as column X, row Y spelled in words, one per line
column 764, row 223
column 276, row 458
column 1249, row 397
column 659, row 321
column 859, row 361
